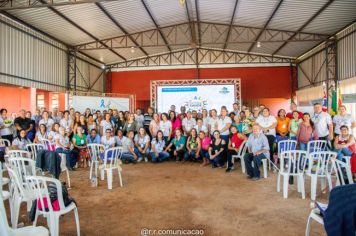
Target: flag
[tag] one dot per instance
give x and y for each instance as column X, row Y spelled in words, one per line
column 325, row 101
column 334, row 103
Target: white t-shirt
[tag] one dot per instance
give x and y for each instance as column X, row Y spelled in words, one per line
column 119, row 140
column 108, row 143
column 64, row 140
column 343, row 120
column 7, row 129
column 222, row 122
column 206, row 121
column 203, row 128
column 188, row 124
column 212, row 122
column 105, row 125
column 165, row 127
column 139, row 120
column 66, row 124
column 322, row 121
column 141, row 141
column 48, row 123
column 265, row 122
column 41, row 136
column 159, row 145
column 21, row 144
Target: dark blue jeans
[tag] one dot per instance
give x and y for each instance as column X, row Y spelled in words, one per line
column 257, row 160
column 191, row 156
column 70, row 157
column 161, row 156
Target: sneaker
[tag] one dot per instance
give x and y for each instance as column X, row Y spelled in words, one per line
column 146, row 159
column 255, row 178
column 213, row 166
column 139, row 159
column 228, row 170
column 249, row 177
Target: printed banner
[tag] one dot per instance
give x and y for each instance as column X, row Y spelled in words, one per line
column 195, row 97
column 349, row 98
column 80, row 103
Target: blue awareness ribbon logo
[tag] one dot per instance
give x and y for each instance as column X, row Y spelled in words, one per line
column 102, row 103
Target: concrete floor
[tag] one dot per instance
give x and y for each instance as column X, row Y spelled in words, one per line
column 186, row 196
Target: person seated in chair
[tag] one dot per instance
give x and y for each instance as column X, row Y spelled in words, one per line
column 344, row 143
column 20, row 142
column 258, row 149
column 235, row 141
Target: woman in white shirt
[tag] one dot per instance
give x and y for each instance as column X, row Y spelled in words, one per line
column 64, row 146
column 213, row 123
column 154, row 125
column 105, row 124
column 107, row 140
column 66, row 123
column 21, row 141
column 6, row 126
column 41, row 134
column 224, row 124
column 268, row 124
column 166, row 126
column 142, row 143
column 157, row 148
column 48, row 122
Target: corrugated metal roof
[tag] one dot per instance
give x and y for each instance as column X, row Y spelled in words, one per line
column 167, row 12
column 266, row 47
column 49, row 22
column 294, row 49
column 334, row 18
column 216, row 11
column 92, row 19
column 130, row 14
column 103, row 55
column 260, row 9
column 293, row 14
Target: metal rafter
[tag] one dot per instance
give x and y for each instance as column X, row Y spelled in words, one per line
column 231, row 24
column 240, row 35
column 191, row 24
column 305, row 24
column 200, row 56
column 16, row 4
column 113, row 20
column 198, row 20
column 265, row 26
column 82, row 29
column 155, row 23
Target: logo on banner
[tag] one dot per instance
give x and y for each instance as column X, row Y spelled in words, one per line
column 224, row 90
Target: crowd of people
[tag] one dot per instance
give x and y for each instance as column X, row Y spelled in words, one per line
column 211, row 137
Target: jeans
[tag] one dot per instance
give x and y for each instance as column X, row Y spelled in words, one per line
column 139, row 154
column 191, row 156
column 303, row 146
column 254, row 171
column 229, row 158
column 204, row 154
column 217, row 161
column 127, row 156
column 343, row 152
column 70, row 157
column 161, row 156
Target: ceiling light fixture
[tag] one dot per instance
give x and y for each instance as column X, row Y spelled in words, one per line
column 132, row 49
column 103, row 67
column 258, row 44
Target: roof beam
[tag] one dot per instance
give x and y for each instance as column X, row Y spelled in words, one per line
column 155, row 23
column 7, row 5
column 198, row 20
column 177, row 30
column 231, row 23
column 265, row 26
column 305, row 24
column 83, row 30
column 113, row 20
column 191, row 24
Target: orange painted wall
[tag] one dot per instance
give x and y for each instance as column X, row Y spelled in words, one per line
column 14, row 98
column 257, row 83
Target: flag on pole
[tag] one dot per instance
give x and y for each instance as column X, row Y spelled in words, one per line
column 325, row 101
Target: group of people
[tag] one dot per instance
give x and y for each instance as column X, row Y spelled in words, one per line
column 209, row 136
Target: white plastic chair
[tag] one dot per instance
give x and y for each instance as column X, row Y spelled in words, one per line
column 4, row 142
column 64, row 166
column 340, row 168
column 292, row 163
column 5, row 194
column 19, row 153
column 5, row 230
column 314, row 215
column 240, row 155
column 316, row 146
column 286, row 145
column 33, row 148
column 20, row 193
column 39, row 185
column 48, row 145
column 112, row 161
column 94, row 151
column 320, row 166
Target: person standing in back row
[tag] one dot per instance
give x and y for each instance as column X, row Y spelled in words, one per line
column 323, row 123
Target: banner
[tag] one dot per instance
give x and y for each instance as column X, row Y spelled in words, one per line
column 80, row 103
column 349, row 98
column 195, row 97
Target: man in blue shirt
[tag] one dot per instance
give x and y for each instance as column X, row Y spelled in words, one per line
column 93, row 137
column 258, row 149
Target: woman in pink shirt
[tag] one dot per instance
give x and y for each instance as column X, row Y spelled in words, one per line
column 205, row 142
column 176, row 123
column 306, row 132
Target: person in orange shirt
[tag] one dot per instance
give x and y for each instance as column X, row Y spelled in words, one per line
column 282, row 126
